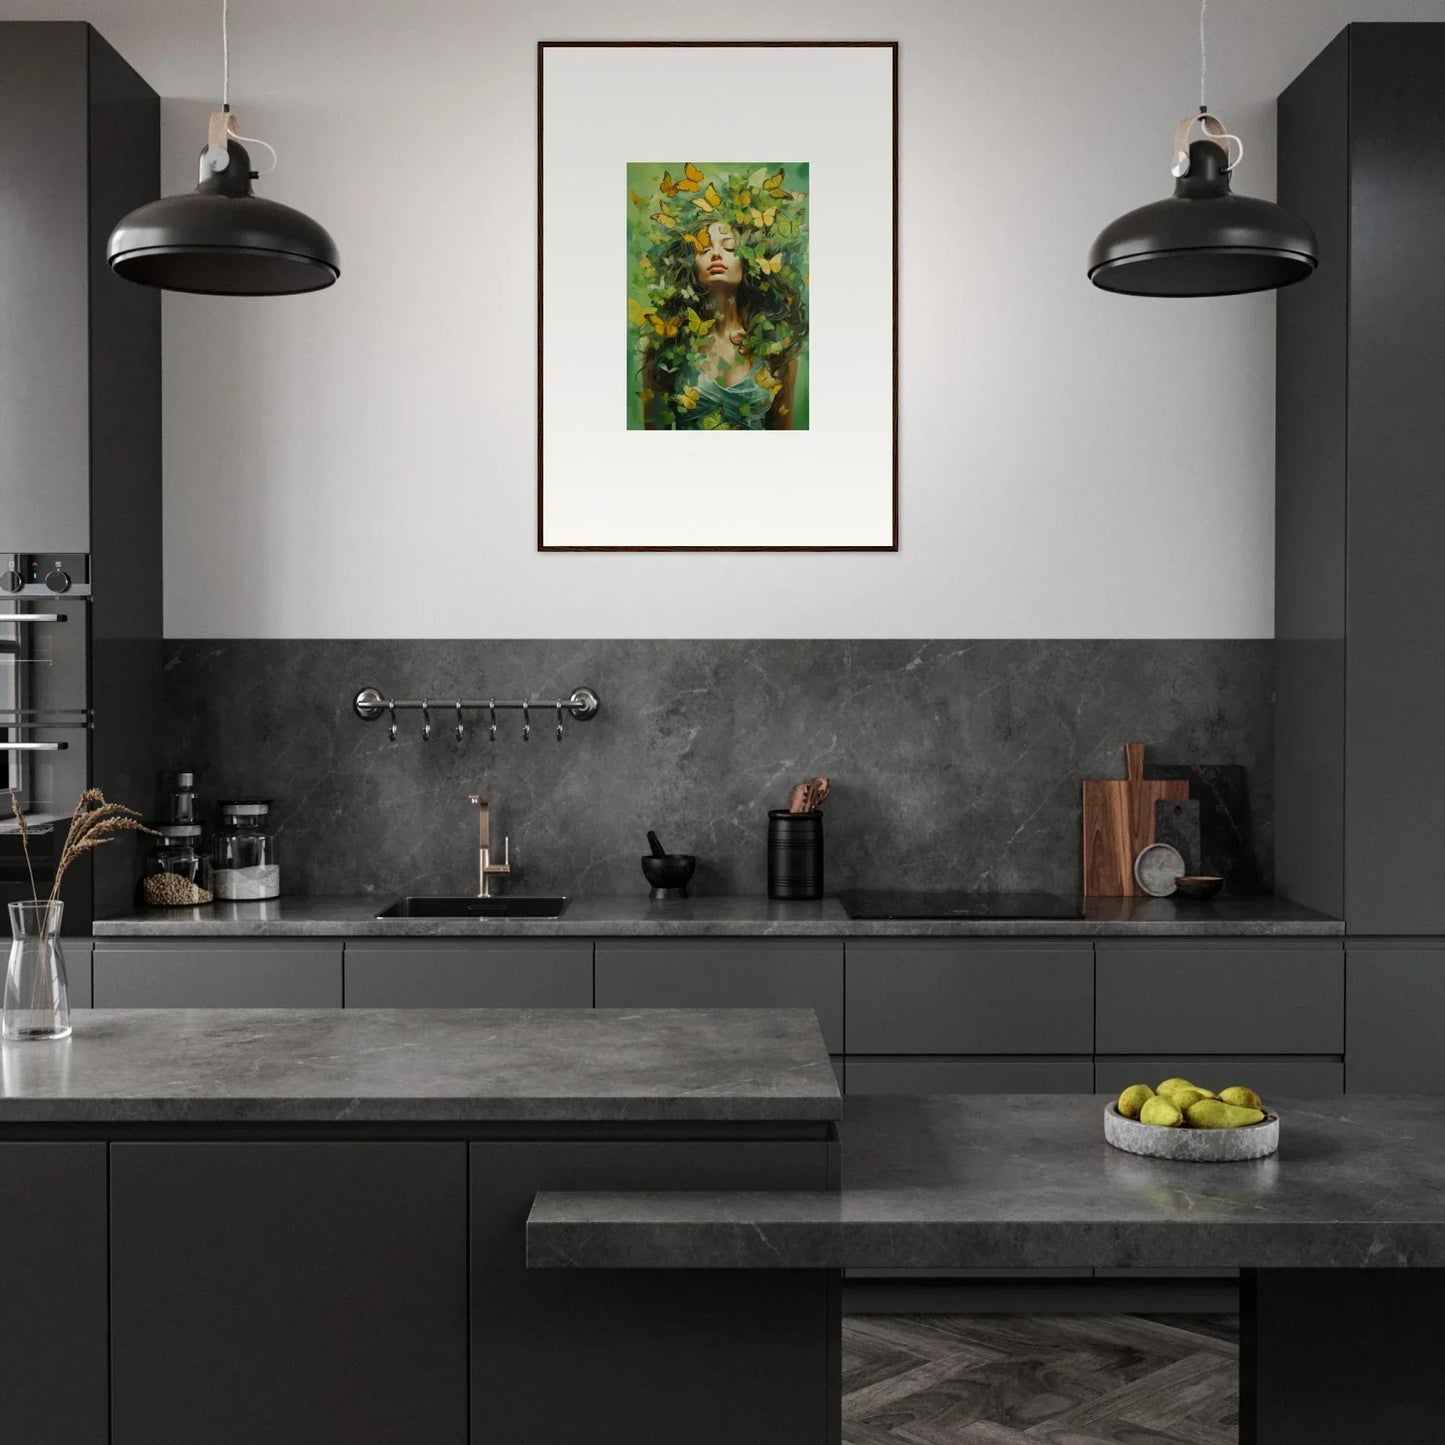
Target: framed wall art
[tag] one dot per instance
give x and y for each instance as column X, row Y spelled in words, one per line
column 717, row 296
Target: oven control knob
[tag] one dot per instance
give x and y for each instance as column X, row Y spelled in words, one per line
column 11, row 580
column 58, row 580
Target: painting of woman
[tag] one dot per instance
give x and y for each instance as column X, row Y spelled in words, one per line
column 717, row 297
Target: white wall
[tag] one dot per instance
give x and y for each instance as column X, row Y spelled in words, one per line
column 361, row 463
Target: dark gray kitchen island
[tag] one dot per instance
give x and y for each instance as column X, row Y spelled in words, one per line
column 309, row 1226
column 1340, row 1236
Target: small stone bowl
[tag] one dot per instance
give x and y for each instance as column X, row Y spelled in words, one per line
column 669, row 875
column 1200, row 886
column 1193, row 1146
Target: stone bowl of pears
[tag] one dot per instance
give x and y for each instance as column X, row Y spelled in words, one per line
column 1180, row 1120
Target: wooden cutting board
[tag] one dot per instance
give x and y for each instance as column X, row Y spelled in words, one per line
column 1119, row 822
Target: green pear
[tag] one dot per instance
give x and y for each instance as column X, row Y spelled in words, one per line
column 1133, row 1099
column 1159, row 1110
column 1216, row 1114
column 1245, row 1098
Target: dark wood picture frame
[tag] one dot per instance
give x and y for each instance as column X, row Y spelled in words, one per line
column 542, row 47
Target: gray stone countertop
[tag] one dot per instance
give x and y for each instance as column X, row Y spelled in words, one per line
column 720, row 917
column 424, row 1066
column 1028, row 1181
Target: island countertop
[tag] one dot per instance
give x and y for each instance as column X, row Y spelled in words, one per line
column 1027, row 1180
column 718, row 916
column 423, row 1066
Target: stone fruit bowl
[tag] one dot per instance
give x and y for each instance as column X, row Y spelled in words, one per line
column 1196, row 1146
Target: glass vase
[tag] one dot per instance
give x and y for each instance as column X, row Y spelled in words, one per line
column 37, row 1001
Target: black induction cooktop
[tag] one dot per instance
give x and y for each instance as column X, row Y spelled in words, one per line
column 887, row 904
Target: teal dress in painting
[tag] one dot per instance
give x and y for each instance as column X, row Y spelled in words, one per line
column 744, row 404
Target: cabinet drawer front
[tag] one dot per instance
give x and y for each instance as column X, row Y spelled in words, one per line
column 200, row 975
column 970, row 1076
column 700, row 973
column 1396, row 1003
column 970, row 999
column 1220, row 999
column 521, row 973
column 1298, row 1078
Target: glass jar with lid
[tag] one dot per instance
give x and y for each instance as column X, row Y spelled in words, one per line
column 243, row 857
column 177, row 870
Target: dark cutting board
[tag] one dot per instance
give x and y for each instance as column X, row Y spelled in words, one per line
column 1226, row 836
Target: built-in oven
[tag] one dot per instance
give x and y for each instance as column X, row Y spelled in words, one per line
column 45, row 717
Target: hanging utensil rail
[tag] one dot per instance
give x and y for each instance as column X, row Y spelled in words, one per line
column 371, row 703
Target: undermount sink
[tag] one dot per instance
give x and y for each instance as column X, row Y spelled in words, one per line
column 474, row 907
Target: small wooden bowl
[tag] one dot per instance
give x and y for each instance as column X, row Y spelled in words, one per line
column 1200, row 886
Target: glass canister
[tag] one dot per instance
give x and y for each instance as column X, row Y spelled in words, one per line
column 177, row 872
column 243, row 857
column 178, row 798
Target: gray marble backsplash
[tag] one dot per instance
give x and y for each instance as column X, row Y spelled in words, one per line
column 954, row 764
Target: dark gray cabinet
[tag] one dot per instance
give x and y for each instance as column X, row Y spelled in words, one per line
column 1360, row 590
column 970, row 1076
column 950, row 996
column 80, row 412
column 77, row 970
column 1278, row 1077
column 462, row 973
column 1396, row 996
column 291, row 1293
column 1219, row 997
column 715, row 1354
column 212, row 973
column 53, row 1326
column 726, row 973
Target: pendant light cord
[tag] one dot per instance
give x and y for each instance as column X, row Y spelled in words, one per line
column 1203, row 56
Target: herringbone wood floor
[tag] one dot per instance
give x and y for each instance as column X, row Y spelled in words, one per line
column 1040, row 1380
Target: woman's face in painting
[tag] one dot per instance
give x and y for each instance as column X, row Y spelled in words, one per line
column 719, row 264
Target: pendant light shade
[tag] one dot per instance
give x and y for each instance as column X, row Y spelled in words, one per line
column 224, row 240
column 1203, row 240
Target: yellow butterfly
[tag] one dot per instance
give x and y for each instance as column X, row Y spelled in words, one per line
column 691, row 180
column 764, row 217
column 688, row 397
column 773, row 185
column 697, row 325
column 765, row 379
column 709, row 200
column 665, row 218
column 770, row 263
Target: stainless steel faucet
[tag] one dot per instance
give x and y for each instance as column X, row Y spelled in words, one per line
column 487, row 870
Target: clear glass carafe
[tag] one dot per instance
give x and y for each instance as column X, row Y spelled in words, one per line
column 37, row 1001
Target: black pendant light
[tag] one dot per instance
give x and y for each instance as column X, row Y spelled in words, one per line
column 223, row 239
column 1203, row 240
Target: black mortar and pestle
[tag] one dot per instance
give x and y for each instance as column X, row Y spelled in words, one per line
column 667, row 872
